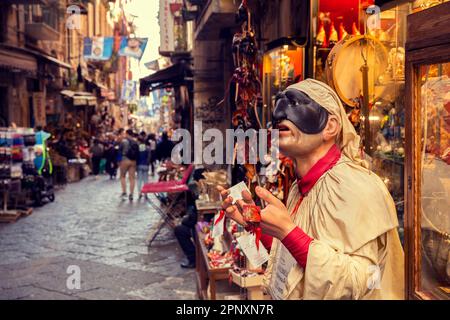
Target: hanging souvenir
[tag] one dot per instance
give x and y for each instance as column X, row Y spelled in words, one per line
column 342, row 32
column 355, row 31
column 252, row 216
column 333, row 35
column 321, row 38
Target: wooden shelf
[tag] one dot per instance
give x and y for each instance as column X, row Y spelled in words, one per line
column 246, row 282
column 206, row 276
column 204, row 252
column 397, row 160
column 202, row 293
column 206, row 208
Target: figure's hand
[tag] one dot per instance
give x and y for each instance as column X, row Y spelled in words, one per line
column 275, row 219
column 234, row 211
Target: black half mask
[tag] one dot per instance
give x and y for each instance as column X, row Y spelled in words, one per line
column 297, row 107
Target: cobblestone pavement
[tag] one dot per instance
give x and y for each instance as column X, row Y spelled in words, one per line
column 90, row 227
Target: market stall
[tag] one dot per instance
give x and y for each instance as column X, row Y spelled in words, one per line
column 400, row 113
column 225, row 250
column 25, row 172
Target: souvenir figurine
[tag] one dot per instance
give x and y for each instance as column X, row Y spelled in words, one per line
column 355, row 31
column 342, row 32
column 252, row 216
column 333, row 35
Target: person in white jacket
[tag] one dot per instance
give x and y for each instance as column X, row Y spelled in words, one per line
column 337, row 237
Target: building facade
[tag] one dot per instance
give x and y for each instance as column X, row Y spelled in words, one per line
column 41, row 56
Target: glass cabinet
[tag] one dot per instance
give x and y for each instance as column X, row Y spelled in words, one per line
column 282, row 66
column 428, row 154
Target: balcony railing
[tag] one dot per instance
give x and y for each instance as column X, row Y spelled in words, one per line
column 42, row 22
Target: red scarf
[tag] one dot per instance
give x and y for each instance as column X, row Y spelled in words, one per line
column 328, row 161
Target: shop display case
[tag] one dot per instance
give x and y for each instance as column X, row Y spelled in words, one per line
column 283, row 66
column 385, row 141
column 428, row 153
column 332, row 21
column 364, row 62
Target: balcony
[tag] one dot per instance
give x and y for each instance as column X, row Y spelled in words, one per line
column 42, row 22
column 215, row 16
column 25, row 1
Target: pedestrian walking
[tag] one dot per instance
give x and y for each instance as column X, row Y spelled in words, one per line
column 97, row 151
column 143, row 164
column 111, row 155
column 129, row 151
column 151, row 141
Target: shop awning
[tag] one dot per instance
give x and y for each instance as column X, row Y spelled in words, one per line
column 26, row 59
column 174, row 75
column 80, row 98
column 53, row 60
column 13, row 60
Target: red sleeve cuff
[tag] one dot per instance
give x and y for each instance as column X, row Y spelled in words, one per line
column 297, row 242
column 266, row 240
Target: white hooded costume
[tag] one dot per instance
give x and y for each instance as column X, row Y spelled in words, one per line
column 356, row 252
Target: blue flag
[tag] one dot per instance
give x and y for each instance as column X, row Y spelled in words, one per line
column 98, row 48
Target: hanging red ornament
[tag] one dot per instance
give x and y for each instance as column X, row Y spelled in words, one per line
column 355, row 30
column 321, row 38
column 252, row 216
column 342, row 32
column 333, row 35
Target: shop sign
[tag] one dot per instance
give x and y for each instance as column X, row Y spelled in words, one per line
column 39, row 108
column 50, row 106
column 166, row 22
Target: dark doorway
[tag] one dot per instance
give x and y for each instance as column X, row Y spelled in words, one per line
column 4, row 112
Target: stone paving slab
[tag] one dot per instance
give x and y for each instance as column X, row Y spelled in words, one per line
column 90, row 227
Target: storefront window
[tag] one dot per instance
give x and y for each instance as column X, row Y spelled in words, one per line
column 387, row 110
column 283, row 66
column 435, row 179
column 334, row 21
column 366, row 67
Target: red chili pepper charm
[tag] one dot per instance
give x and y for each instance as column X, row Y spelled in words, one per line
column 258, row 234
column 221, row 216
column 252, row 215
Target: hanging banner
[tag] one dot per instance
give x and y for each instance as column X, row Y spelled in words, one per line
column 133, row 47
column 98, row 48
column 152, row 65
column 129, row 90
column 39, row 113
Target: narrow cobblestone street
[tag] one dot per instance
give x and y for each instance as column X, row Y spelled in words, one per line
column 90, row 227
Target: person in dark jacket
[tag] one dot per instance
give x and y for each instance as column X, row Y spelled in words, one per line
column 184, row 232
column 97, row 154
column 164, row 148
column 111, row 155
column 143, row 163
column 151, row 141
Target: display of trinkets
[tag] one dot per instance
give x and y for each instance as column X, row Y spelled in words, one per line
column 252, row 216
